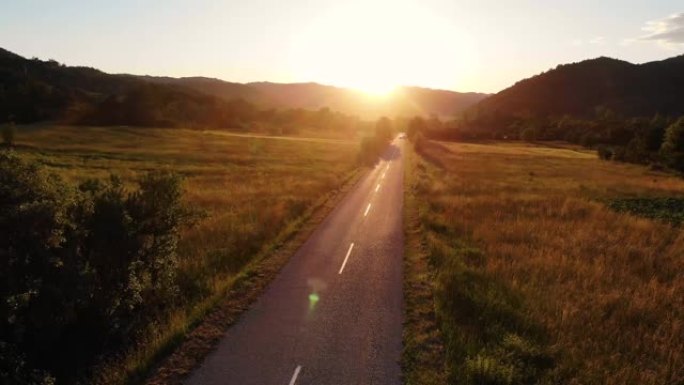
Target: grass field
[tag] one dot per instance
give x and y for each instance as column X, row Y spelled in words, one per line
column 536, row 279
column 252, row 190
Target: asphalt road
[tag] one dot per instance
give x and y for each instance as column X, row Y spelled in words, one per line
column 334, row 313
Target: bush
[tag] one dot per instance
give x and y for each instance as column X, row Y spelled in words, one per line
column 82, row 269
column 672, row 149
column 529, row 134
column 605, row 152
column 371, row 147
column 8, row 133
column 369, row 151
column 384, row 130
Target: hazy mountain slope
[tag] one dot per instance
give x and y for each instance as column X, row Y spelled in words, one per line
column 405, row 101
column 215, row 87
column 580, row 89
column 33, row 90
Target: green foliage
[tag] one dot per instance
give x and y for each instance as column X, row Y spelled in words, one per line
column 529, row 134
column 384, row 130
column 372, row 147
column 35, row 90
column 9, row 131
column 369, row 150
column 664, row 209
column 604, row 152
column 82, row 269
column 672, row 149
column 416, row 126
column 514, row 361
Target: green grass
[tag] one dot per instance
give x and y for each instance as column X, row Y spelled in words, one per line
column 535, row 280
column 423, row 357
column 665, row 209
column 255, row 193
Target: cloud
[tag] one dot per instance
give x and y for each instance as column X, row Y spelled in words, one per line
column 668, row 31
column 598, row 40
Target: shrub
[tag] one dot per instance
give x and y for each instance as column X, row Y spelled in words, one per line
column 82, row 269
column 604, row 152
column 384, row 130
column 8, row 133
column 672, row 149
column 369, row 150
column 529, row 134
column 372, row 146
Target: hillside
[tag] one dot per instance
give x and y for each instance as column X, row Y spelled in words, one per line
column 405, row 101
column 33, row 90
column 215, row 87
column 581, row 89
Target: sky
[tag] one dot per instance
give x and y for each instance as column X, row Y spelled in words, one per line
column 372, row 45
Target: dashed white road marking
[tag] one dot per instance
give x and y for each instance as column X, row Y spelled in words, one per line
column 377, row 187
column 383, row 175
column 367, row 210
column 346, row 258
column 295, row 375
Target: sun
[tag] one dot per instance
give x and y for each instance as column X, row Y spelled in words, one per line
column 376, row 90
column 376, row 45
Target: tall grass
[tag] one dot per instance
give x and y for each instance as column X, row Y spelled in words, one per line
column 253, row 191
column 537, row 280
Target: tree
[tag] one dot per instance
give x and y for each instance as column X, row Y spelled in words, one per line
column 8, row 134
column 415, row 126
column 383, row 129
column 655, row 132
column 529, row 134
column 672, row 149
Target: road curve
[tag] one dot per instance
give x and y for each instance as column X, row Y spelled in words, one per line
column 334, row 313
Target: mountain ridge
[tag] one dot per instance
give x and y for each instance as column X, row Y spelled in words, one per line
column 582, row 88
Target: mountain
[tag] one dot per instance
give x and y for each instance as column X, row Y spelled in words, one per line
column 405, row 101
column 582, row 89
column 215, row 87
column 33, row 90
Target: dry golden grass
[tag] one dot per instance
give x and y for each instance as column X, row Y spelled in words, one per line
column 254, row 191
column 605, row 289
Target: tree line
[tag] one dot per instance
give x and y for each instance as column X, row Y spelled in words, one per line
column 32, row 90
column 656, row 140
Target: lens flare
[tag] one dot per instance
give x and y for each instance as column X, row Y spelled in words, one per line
column 313, row 300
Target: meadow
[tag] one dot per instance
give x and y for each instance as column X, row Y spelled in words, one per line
column 541, row 273
column 252, row 193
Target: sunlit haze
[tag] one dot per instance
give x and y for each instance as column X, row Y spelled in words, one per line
column 370, row 45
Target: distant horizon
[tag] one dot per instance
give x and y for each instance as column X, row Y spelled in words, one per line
column 370, row 45
column 328, row 84
column 337, row 85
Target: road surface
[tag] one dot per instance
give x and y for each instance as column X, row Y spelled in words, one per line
column 333, row 315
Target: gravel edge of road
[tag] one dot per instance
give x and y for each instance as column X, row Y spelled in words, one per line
column 198, row 342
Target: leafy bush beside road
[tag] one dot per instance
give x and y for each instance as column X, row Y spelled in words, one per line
column 81, row 269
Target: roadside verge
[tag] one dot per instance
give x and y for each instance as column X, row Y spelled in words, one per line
column 423, row 359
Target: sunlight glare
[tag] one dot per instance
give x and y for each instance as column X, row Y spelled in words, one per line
column 376, row 46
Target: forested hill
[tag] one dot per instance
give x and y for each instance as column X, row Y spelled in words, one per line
column 589, row 87
column 33, row 90
column 405, row 101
